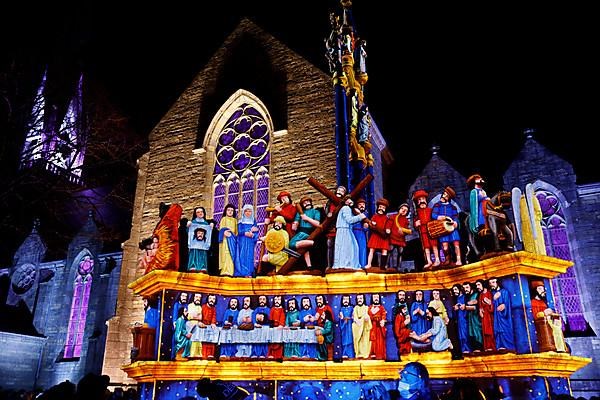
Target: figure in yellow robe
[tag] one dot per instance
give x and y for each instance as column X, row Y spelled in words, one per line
column 228, row 229
column 194, row 319
column 361, row 328
column 529, row 214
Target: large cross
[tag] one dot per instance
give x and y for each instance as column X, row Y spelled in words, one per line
column 324, row 226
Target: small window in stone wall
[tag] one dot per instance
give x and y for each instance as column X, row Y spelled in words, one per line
column 567, row 299
column 79, row 308
column 242, row 157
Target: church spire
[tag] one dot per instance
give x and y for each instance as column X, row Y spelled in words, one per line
column 69, row 146
column 36, row 137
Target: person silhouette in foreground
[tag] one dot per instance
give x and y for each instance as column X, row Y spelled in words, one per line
column 220, row 390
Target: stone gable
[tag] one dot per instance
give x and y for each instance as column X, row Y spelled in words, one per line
column 179, row 170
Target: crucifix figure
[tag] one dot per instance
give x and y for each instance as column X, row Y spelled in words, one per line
column 330, row 219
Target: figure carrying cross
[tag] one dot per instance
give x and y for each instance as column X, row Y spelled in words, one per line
column 323, row 226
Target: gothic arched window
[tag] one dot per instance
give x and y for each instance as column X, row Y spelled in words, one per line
column 242, row 157
column 565, row 287
column 79, row 307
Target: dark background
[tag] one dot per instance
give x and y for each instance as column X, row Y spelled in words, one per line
column 467, row 78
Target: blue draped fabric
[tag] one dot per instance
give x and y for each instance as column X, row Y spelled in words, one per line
column 503, row 326
column 246, row 245
column 228, row 349
column 463, row 326
column 346, row 332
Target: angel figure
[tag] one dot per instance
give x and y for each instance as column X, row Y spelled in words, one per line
column 528, row 219
column 163, row 250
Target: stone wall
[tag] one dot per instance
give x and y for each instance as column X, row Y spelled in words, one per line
column 173, row 172
column 535, row 163
column 585, row 247
column 20, row 360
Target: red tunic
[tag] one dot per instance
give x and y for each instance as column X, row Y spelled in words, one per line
column 402, row 335
column 321, row 310
column 330, row 208
column 288, row 212
column 487, row 321
column 378, row 241
column 378, row 332
column 424, row 215
column 209, row 317
column 397, row 237
column 277, row 317
column 538, row 306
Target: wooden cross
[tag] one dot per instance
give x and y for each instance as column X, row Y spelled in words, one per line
column 324, row 226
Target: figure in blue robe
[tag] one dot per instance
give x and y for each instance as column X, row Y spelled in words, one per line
column 199, row 241
column 503, row 325
column 438, row 333
column 150, row 314
column 230, row 318
column 462, row 323
column 346, row 253
column 361, row 234
column 418, row 320
column 182, row 336
column 152, row 319
column 308, row 321
column 180, row 303
column 345, row 323
column 247, row 238
column 261, row 349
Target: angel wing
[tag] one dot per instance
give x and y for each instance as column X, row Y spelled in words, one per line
column 167, row 252
column 516, row 207
column 529, row 195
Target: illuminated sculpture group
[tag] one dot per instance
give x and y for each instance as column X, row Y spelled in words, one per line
column 342, row 322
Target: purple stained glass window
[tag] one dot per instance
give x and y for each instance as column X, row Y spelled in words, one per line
column 262, row 196
column 243, row 142
column 79, row 307
column 248, row 188
column 234, row 192
column 242, row 150
column 218, row 197
column 554, row 225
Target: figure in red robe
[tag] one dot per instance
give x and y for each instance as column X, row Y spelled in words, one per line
column 380, row 234
column 486, row 313
column 541, row 309
column 277, row 317
column 322, row 305
column 163, row 248
column 402, row 331
column 378, row 316
column 422, row 217
column 209, row 317
column 286, row 209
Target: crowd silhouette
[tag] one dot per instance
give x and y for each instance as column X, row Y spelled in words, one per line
column 90, row 387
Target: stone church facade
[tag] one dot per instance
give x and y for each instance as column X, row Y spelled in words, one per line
column 69, row 302
column 252, row 79
column 297, row 110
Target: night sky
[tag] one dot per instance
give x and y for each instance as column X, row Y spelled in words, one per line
column 467, row 79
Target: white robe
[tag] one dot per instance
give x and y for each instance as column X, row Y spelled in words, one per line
column 346, row 253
